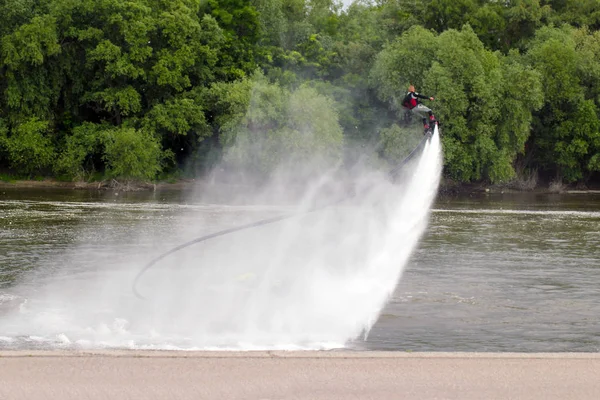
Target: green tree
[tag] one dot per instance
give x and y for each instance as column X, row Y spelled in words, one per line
column 240, row 22
column 579, row 13
column 280, row 128
column 567, row 127
column 403, row 62
column 442, row 15
column 30, row 88
column 119, row 152
column 29, row 148
column 94, row 86
column 489, row 23
column 133, row 64
column 523, row 17
column 131, row 154
column 482, row 132
column 82, row 152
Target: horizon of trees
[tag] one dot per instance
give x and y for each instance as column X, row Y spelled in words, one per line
column 147, row 89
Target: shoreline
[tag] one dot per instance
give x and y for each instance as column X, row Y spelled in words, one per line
column 294, row 375
column 446, row 189
column 293, row 354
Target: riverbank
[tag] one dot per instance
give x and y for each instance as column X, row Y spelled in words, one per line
column 297, row 375
column 447, row 188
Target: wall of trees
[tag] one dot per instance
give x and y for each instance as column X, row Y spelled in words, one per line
column 143, row 89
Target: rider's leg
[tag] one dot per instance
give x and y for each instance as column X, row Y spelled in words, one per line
column 421, row 111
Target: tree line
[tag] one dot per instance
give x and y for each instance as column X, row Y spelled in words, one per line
column 147, row 89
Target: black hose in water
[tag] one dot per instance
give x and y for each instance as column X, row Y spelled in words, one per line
column 393, row 173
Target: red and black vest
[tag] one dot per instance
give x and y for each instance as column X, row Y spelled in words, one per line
column 410, row 100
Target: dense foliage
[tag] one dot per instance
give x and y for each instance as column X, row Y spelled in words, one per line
column 143, row 89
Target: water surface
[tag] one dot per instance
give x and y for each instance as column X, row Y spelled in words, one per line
column 501, row 273
column 513, row 272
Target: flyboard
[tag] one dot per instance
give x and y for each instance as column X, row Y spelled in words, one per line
column 427, row 135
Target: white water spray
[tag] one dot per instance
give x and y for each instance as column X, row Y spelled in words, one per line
column 314, row 281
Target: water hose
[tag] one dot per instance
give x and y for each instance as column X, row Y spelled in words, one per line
column 393, row 173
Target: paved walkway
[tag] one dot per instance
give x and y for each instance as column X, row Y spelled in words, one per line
column 296, row 375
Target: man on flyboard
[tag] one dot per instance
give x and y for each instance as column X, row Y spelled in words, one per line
column 411, row 102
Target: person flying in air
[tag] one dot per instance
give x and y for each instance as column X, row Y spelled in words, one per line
column 411, row 102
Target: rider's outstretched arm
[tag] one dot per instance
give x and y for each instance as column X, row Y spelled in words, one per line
column 421, row 96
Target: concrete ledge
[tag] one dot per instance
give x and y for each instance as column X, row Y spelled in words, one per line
column 271, row 375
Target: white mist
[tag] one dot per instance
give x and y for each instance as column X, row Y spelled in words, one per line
column 311, row 282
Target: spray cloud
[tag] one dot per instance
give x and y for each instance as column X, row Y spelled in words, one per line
column 316, row 280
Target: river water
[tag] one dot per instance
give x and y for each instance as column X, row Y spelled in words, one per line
column 493, row 272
